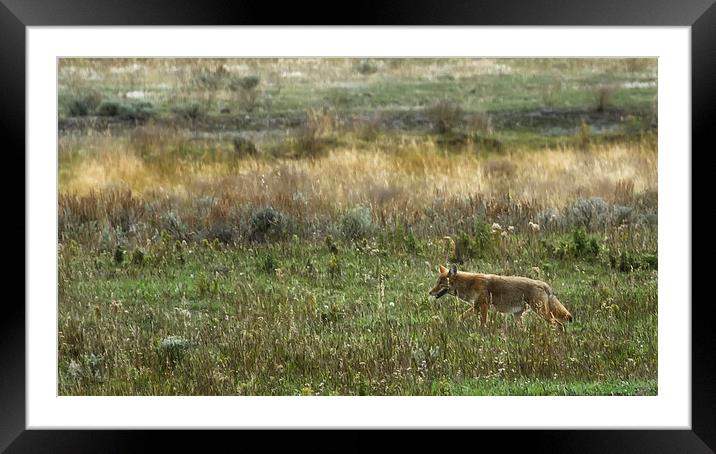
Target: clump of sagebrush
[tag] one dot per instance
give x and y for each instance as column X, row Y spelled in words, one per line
column 173, row 349
column 246, row 90
column 220, row 230
column 267, row 224
column 174, row 226
column 603, row 95
column 138, row 257
column 119, row 254
column 365, row 67
column 444, row 115
column 192, row 112
column 244, row 147
column 209, row 78
column 480, row 122
column 83, row 103
column 584, row 136
column 357, row 223
column 315, row 133
column 590, row 213
column 130, row 111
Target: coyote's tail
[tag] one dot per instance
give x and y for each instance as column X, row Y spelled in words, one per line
column 559, row 310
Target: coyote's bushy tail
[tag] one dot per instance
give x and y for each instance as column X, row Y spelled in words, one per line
column 559, row 311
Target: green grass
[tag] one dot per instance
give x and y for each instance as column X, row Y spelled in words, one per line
column 526, row 86
column 302, row 327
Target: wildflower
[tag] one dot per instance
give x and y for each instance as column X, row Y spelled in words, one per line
column 503, row 234
column 511, row 229
column 534, row 227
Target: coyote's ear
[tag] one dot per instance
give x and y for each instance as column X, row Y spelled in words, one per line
column 443, row 270
column 453, row 271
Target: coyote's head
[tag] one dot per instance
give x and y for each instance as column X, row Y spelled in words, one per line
column 443, row 285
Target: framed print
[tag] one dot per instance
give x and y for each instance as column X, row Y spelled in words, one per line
column 255, row 226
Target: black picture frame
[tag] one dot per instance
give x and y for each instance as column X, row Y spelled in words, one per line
column 16, row 15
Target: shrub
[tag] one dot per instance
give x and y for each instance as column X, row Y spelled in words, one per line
column 138, row 257
column 366, row 68
column 244, row 146
column 584, row 135
column 603, row 95
column 119, row 255
column 356, row 223
column 109, row 109
column 584, row 245
column 244, row 83
column 578, row 245
column 172, row 349
column 221, row 231
column 480, row 122
column 313, row 135
column 210, row 79
column 444, row 115
column 626, row 261
column 589, row 213
column 138, row 112
column 172, row 224
column 246, row 89
column 84, row 104
column 268, row 224
column 190, row 112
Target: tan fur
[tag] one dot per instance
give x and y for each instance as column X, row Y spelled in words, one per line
column 510, row 294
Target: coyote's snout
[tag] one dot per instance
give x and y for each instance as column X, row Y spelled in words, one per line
column 510, row 294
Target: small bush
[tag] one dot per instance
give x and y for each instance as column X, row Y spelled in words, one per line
column 244, row 83
column 138, row 112
column 244, row 146
column 626, row 261
column 313, row 136
column 365, row 68
column 590, row 213
column 172, row 224
column 138, row 257
column 245, row 87
column 109, row 109
column 84, row 104
column 221, row 231
column 584, row 136
column 578, row 245
column 172, row 349
column 444, row 115
column 603, row 95
column 268, row 224
column 480, row 122
column 356, row 223
column 209, row 79
column 190, row 112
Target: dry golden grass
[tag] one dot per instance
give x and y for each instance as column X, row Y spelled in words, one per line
column 410, row 174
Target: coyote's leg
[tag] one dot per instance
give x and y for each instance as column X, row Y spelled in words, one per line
column 518, row 319
column 483, row 312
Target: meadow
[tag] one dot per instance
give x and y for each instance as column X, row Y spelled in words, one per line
column 273, row 226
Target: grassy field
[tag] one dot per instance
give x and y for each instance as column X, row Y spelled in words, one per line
column 272, row 227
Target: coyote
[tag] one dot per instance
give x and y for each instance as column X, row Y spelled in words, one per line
column 510, row 294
